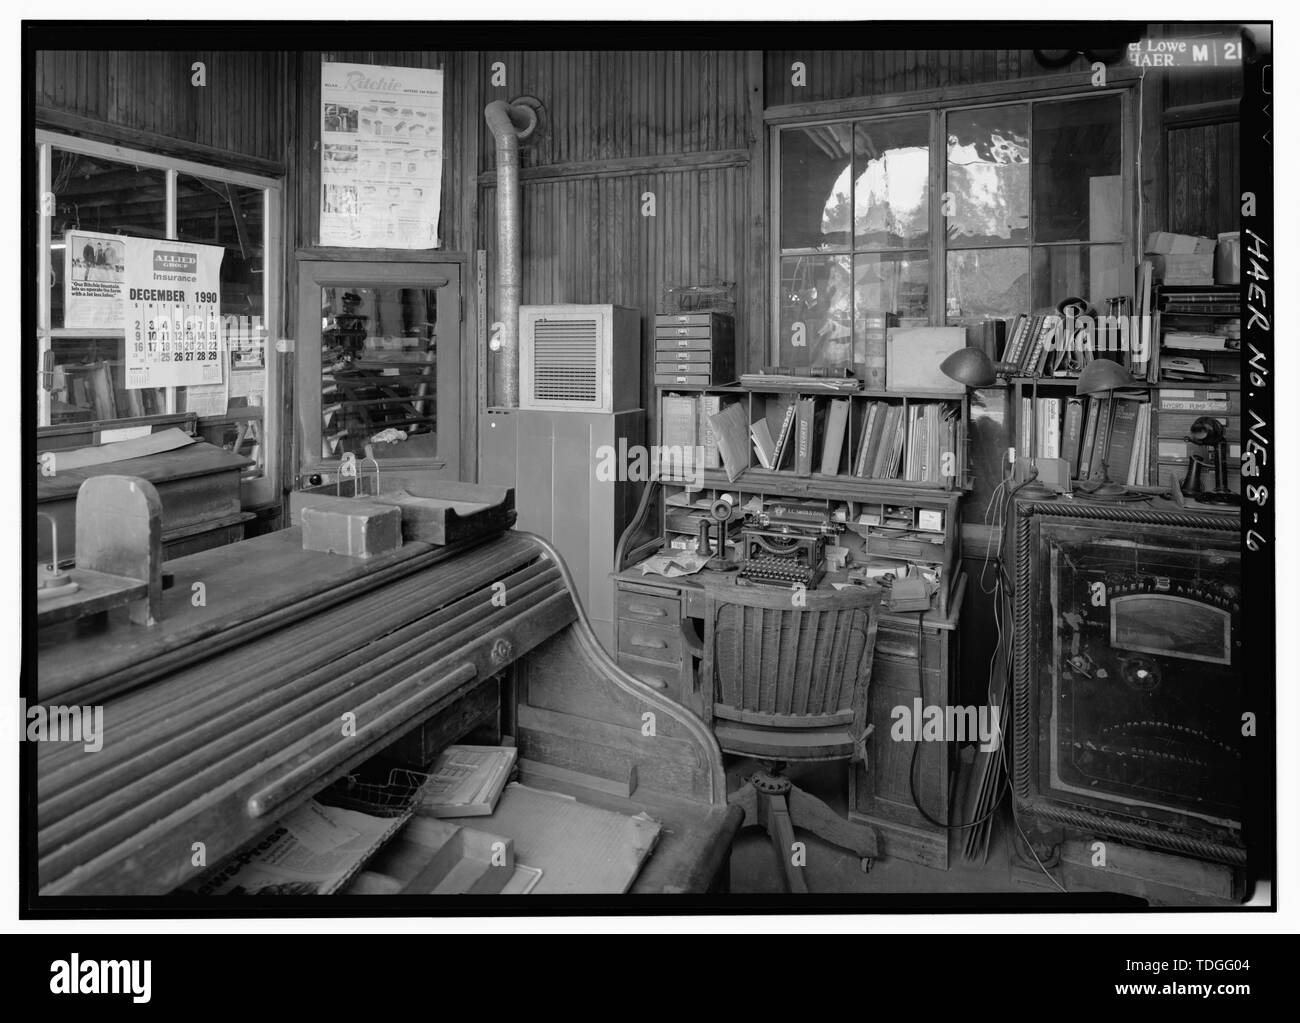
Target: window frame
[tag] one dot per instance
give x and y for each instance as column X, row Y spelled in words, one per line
column 939, row 103
column 255, row 492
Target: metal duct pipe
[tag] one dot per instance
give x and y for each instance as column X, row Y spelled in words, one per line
column 509, row 123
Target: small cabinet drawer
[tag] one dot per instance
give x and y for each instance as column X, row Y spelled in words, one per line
column 651, row 608
column 653, row 642
column 655, row 674
column 697, row 331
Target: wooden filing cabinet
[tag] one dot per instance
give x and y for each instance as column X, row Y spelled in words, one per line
column 650, row 612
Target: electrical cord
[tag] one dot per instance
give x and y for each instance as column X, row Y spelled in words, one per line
column 1000, row 506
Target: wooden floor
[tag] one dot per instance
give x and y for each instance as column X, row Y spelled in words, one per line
column 754, row 870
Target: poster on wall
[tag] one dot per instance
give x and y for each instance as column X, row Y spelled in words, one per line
column 381, row 156
column 94, row 266
column 173, row 314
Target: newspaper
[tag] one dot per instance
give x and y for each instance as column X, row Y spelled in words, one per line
column 313, row 851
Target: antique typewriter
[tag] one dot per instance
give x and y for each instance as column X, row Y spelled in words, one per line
column 785, row 544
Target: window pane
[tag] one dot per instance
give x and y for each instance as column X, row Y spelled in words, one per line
column 230, row 216
column 817, row 310
column 92, row 194
column 1078, row 271
column 379, row 371
column 987, row 283
column 816, row 176
column 988, row 175
column 1076, row 153
column 892, row 187
column 888, row 291
column 90, row 383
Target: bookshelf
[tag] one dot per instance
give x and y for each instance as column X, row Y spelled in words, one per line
column 943, row 466
column 884, row 523
column 1084, row 464
column 1207, row 385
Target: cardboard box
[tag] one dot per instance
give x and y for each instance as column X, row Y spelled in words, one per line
column 1180, row 268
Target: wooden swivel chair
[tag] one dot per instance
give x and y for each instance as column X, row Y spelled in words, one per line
column 789, row 683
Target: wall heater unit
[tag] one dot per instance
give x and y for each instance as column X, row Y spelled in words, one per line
column 579, row 358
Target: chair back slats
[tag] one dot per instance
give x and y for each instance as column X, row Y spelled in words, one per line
column 787, row 658
column 767, row 657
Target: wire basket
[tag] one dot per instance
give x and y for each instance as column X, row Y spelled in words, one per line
column 392, row 798
column 718, row 297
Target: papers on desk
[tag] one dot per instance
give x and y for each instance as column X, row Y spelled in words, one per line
column 314, row 850
column 673, row 565
column 121, row 450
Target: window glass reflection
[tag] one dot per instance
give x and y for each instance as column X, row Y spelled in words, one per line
column 988, row 175
column 891, row 194
column 379, row 389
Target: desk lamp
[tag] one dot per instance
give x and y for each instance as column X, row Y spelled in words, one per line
column 1102, row 377
column 973, row 368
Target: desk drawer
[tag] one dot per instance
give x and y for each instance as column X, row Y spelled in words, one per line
column 653, row 642
column 650, row 608
column 657, row 674
column 899, row 644
column 901, row 675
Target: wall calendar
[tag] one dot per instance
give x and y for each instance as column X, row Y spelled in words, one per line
column 172, row 296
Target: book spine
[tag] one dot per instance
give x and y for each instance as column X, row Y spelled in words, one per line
column 1089, row 439
column 875, row 333
column 783, row 437
column 1072, row 433
column 804, row 437
column 710, row 405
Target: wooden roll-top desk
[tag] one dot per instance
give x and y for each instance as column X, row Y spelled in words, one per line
column 232, row 710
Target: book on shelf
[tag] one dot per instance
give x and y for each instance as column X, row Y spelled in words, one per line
column 1187, row 341
column 837, row 423
column 1123, row 435
column 784, row 435
column 680, row 432
column 1194, row 400
column 806, row 423
column 731, row 427
column 869, row 435
column 764, row 445
column 1072, row 433
column 709, row 405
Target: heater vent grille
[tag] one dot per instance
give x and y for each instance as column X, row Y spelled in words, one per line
column 566, row 360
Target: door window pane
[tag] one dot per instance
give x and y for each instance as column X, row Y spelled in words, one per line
column 985, row 283
column 988, row 175
column 1092, row 272
column 1076, row 151
column 816, row 319
column 379, row 386
column 816, row 188
column 891, row 189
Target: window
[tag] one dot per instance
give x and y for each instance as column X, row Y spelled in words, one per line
column 947, row 216
column 855, row 232
column 92, row 193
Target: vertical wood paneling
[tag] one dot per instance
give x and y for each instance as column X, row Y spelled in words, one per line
column 842, row 74
column 1203, row 178
column 241, row 109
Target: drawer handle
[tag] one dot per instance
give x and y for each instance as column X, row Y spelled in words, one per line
column 657, row 644
column 646, row 609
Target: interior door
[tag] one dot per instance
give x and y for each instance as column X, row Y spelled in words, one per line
column 379, row 366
